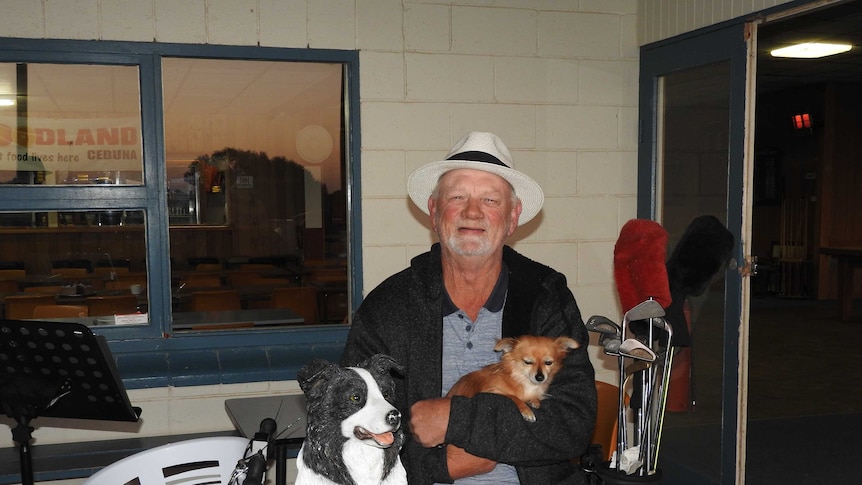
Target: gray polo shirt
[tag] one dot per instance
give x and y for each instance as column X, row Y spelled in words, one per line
column 468, row 346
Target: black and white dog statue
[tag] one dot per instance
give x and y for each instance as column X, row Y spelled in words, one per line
column 354, row 433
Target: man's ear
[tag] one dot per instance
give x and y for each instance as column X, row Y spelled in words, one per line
column 516, row 214
column 432, row 211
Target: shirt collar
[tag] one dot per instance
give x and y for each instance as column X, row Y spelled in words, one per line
column 494, row 303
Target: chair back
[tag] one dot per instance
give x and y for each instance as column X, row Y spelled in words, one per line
column 208, row 267
column 51, row 289
column 256, row 266
column 302, row 300
column 70, row 273
column 20, row 307
column 12, row 274
column 190, row 462
column 605, row 432
column 201, row 280
column 8, row 286
column 106, row 270
column 60, row 311
column 112, row 305
column 248, row 278
column 215, row 301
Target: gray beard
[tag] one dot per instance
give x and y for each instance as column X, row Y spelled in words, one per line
column 456, row 245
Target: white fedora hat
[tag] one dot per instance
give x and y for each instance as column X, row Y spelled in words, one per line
column 478, row 151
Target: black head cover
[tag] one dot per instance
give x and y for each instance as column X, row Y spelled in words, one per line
column 704, row 248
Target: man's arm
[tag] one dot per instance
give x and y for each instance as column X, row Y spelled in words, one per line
column 429, row 420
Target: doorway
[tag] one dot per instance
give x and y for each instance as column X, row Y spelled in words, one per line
column 771, row 363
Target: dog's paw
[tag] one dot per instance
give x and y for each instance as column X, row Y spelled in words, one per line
column 535, row 403
column 528, row 416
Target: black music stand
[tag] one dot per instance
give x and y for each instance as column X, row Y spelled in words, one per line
column 57, row 369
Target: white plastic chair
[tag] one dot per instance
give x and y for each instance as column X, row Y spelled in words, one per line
column 190, row 462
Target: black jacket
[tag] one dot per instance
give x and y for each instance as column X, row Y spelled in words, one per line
column 402, row 318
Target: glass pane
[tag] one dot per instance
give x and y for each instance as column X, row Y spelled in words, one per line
column 94, row 261
column 694, row 123
column 64, row 124
column 256, row 194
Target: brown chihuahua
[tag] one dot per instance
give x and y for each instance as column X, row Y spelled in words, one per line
column 525, row 371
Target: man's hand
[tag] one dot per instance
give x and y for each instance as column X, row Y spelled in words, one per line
column 462, row 464
column 429, row 420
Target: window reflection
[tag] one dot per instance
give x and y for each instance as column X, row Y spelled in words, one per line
column 255, row 182
column 87, row 266
column 64, row 124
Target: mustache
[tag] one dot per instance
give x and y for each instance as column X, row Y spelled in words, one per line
column 472, row 224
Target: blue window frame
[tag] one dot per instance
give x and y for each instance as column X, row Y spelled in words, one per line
column 153, row 355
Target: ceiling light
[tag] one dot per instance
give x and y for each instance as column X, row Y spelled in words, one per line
column 7, row 102
column 810, row 50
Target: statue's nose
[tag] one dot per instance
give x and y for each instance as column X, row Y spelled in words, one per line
column 393, row 417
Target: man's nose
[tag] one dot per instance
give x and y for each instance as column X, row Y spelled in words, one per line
column 473, row 208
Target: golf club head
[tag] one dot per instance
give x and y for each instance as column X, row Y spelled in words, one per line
column 611, row 344
column 635, row 349
column 642, row 311
column 602, row 325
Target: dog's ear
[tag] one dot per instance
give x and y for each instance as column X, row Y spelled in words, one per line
column 505, row 344
column 566, row 344
column 382, row 364
column 313, row 372
column 381, row 368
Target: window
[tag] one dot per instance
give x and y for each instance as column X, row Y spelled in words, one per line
column 206, row 189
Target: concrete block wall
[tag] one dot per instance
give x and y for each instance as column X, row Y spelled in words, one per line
column 662, row 19
column 556, row 79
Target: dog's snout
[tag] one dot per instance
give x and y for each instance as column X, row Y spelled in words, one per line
column 540, row 377
column 393, row 418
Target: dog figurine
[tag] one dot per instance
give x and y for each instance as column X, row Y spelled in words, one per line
column 525, row 371
column 354, row 433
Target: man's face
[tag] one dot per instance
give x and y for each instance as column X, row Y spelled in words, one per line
column 473, row 212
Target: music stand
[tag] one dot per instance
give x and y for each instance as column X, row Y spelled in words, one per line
column 57, row 369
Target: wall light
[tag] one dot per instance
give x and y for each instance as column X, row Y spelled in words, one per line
column 7, row 102
column 801, row 121
column 810, row 50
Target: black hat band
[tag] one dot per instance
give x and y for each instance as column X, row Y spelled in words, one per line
column 477, row 156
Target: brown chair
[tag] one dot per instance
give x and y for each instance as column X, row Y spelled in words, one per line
column 106, row 270
column 302, row 300
column 137, row 278
column 208, row 267
column 20, row 307
column 50, row 289
column 328, row 274
column 8, row 286
column 70, row 273
column 112, row 305
column 12, row 274
column 248, row 278
column 605, row 432
column 215, row 301
column 256, row 266
column 60, row 311
column 202, row 280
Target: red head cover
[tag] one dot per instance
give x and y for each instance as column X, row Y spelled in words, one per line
column 639, row 264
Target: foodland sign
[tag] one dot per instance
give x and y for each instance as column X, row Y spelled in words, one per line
column 71, row 145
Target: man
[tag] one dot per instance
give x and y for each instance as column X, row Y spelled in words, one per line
column 441, row 317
